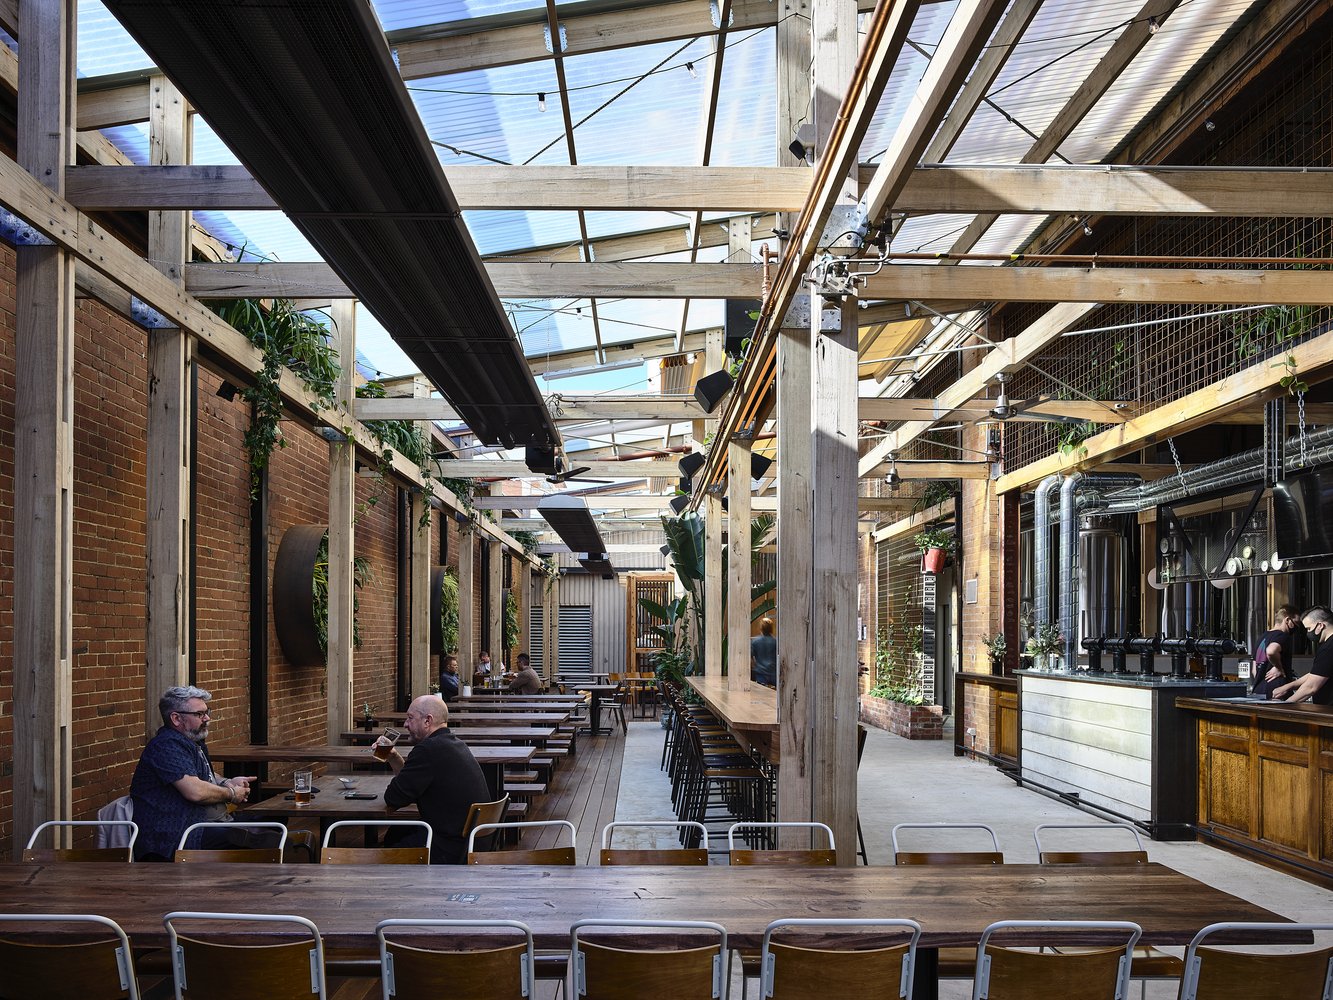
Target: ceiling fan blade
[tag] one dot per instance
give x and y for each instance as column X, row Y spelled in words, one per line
column 571, row 479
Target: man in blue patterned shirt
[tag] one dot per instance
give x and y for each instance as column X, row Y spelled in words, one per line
column 174, row 784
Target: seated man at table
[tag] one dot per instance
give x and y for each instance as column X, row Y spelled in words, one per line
column 525, row 681
column 486, row 670
column 441, row 776
column 449, row 678
column 174, row 785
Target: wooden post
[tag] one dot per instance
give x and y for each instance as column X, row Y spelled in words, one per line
column 494, row 640
column 714, row 612
column 170, row 404
column 553, row 631
column 422, row 562
column 738, row 566
column 342, row 534
column 467, row 599
column 43, row 437
column 523, row 595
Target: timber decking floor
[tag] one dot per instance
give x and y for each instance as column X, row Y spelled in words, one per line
column 583, row 790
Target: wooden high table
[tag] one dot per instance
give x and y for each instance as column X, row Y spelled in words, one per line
column 750, row 715
column 952, row 904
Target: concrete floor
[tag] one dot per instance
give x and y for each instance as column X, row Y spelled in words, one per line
column 905, row 781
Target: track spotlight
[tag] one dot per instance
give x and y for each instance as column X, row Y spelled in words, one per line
column 678, row 504
column 759, row 465
column 798, row 149
column 665, row 550
column 893, row 480
column 710, row 389
column 227, row 391
column 691, row 464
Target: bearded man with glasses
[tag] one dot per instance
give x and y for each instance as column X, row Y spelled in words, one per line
column 174, row 784
column 1318, row 622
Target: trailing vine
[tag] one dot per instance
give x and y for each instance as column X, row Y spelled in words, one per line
column 464, row 490
column 511, row 630
column 528, row 539
column 448, row 612
column 361, row 575
column 405, row 437
column 288, row 338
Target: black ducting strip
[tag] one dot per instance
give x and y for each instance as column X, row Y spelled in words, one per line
column 306, row 94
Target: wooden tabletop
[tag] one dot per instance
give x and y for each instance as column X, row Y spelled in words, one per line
column 953, row 904
column 329, row 801
column 486, row 755
column 753, row 708
column 493, row 696
column 466, row 733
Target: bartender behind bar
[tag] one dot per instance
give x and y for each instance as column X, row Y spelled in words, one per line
column 1318, row 622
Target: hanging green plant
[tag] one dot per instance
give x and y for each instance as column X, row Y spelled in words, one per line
column 464, row 490
column 361, row 575
column 511, row 630
column 448, row 612
column 528, row 539
column 287, row 338
column 404, row 437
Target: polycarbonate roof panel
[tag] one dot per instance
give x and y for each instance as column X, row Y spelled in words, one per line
column 102, row 45
column 396, row 15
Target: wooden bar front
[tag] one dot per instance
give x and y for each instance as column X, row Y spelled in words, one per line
column 1266, row 781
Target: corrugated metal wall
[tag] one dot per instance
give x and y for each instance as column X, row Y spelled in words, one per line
column 607, row 600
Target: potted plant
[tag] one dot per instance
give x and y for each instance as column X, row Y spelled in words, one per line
column 935, row 545
column 1044, row 643
column 368, row 716
column 996, row 646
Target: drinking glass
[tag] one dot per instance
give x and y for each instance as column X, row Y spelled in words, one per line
column 382, row 751
column 302, row 785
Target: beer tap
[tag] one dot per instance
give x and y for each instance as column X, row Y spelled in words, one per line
column 1147, row 646
column 1093, row 644
column 1116, row 645
column 1212, row 651
column 1180, row 650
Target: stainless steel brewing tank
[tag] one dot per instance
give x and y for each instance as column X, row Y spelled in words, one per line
column 1100, row 578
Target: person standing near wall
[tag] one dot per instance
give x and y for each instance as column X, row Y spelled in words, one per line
column 764, row 655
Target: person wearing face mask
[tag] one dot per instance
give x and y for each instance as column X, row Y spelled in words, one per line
column 174, row 785
column 1318, row 622
column 1272, row 656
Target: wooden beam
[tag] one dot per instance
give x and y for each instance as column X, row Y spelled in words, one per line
column 906, row 408
column 642, row 350
column 884, row 505
column 913, row 522
column 1239, row 391
column 107, row 107
column 595, row 502
column 932, row 470
column 647, row 406
column 404, row 408
column 340, row 671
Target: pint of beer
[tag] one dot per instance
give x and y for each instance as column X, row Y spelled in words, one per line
column 383, row 750
column 302, row 784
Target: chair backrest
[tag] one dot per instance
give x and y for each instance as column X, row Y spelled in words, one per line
column 991, row 857
column 1212, row 974
column 250, row 855
column 330, row 855
column 86, row 970
column 54, row 854
column 619, row 972
column 791, row 970
column 1006, row 973
column 479, row 971
column 539, row 856
column 799, row 858
column 277, row 969
column 1138, row 856
column 654, row 856
column 484, row 812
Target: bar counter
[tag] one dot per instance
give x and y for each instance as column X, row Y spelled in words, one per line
column 750, row 715
column 1265, row 785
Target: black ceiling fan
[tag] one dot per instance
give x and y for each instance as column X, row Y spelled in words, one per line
column 563, row 475
column 1005, row 410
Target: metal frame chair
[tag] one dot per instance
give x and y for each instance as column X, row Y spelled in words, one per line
column 1234, row 974
column 1003, row 973
column 87, row 970
column 807, row 857
column 485, row 812
column 329, row 855
column 471, row 974
column 992, row 857
column 807, row 971
column 1138, row 856
column 662, row 856
column 261, row 855
column 55, row 854
column 606, row 972
column 283, row 971
column 539, row 856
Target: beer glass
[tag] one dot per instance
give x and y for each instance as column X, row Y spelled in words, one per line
column 302, row 784
column 382, row 751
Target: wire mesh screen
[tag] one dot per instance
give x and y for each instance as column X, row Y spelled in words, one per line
column 1164, row 352
column 900, row 620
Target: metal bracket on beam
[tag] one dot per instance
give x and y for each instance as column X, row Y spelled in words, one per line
column 715, row 10
column 148, row 317
column 331, row 434
column 798, row 316
column 846, row 228
column 743, row 433
column 19, row 233
column 564, row 41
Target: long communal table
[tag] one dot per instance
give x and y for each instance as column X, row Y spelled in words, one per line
column 953, row 904
column 750, row 714
column 469, row 734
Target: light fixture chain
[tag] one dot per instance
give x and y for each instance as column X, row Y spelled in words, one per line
column 1180, row 473
column 1300, row 423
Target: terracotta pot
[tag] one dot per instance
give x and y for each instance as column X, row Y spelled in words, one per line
column 932, row 560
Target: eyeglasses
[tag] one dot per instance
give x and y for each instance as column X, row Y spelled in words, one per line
column 202, row 714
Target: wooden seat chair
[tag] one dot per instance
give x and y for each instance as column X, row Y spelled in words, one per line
column 1214, row 974
column 792, row 970
column 251, row 855
column 538, row 856
column 1052, row 972
column 213, row 970
column 802, row 858
column 88, row 970
column 992, row 857
column 1148, row 962
column 56, row 854
column 485, row 812
column 480, row 970
column 660, row 856
column 600, row 971
column 330, row 855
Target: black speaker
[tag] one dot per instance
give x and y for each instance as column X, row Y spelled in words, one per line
column 759, row 465
column 737, row 324
column 710, row 389
column 678, row 504
column 539, row 459
column 684, row 485
column 691, row 464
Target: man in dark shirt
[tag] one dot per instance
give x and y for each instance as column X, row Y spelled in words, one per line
column 449, row 678
column 764, row 655
column 440, row 775
column 1318, row 622
column 174, row 785
column 1272, row 656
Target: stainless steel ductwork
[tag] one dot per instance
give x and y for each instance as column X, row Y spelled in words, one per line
column 1041, row 550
